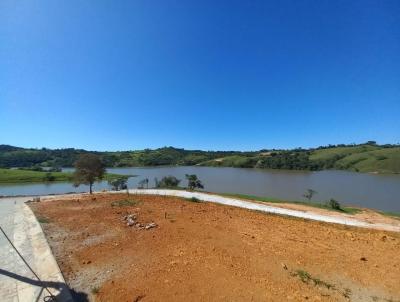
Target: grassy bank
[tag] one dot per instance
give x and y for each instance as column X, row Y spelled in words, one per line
column 26, row 176
column 320, row 205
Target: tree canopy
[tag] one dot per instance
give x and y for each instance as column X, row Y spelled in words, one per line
column 88, row 169
column 193, row 182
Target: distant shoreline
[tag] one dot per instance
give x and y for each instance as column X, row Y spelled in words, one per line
column 366, row 158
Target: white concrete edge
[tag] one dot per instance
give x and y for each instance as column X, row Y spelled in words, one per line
column 265, row 208
column 44, row 263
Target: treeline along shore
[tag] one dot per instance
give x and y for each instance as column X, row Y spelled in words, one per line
column 368, row 157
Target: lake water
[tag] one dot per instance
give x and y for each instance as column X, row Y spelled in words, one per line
column 367, row 190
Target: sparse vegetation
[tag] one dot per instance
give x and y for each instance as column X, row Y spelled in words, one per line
column 124, row 203
column 321, row 205
column 307, row 278
column 49, row 177
column 167, row 182
column 193, row 199
column 43, row 220
column 95, row 290
column 193, row 182
column 335, row 205
column 309, row 194
column 118, row 183
column 395, row 215
column 143, row 183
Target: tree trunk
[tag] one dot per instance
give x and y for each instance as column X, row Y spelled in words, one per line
column 90, row 187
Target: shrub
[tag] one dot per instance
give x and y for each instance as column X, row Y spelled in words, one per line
column 167, row 182
column 143, row 183
column 43, row 220
column 118, row 183
column 194, row 182
column 49, row 177
column 124, row 203
column 334, row 204
column 95, row 290
column 309, row 194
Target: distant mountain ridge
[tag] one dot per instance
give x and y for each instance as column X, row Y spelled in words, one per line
column 368, row 157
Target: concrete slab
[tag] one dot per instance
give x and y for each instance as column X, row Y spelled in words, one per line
column 17, row 282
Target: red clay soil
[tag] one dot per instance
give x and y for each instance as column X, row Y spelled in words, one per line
column 209, row 252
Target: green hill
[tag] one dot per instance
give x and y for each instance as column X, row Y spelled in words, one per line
column 368, row 157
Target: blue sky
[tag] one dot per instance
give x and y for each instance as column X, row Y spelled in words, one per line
column 228, row 75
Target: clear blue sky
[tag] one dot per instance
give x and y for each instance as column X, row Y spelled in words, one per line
column 229, row 75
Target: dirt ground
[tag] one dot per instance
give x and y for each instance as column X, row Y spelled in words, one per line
column 208, row 252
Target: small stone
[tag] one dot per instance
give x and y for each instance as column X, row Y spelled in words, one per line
column 150, row 225
column 363, row 259
column 284, row 266
column 130, row 221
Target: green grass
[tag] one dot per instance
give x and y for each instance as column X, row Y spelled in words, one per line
column 240, row 161
column 320, row 205
column 95, row 290
column 307, row 278
column 390, row 214
column 381, row 161
column 124, row 203
column 26, row 176
column 43, row 220
column 324, row 154
column 364, row 158
column 192, row 199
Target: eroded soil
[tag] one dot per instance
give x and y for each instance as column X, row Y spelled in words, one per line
column 209, row 252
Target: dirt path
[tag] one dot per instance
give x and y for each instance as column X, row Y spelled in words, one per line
column 209, row 252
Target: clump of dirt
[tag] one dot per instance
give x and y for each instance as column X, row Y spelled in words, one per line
column 207, row 252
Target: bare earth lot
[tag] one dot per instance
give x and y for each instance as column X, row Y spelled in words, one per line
column 209, row 252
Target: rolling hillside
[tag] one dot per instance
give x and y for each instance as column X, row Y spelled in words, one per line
column 368, row 157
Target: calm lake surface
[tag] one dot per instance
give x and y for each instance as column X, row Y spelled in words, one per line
column 373, row 191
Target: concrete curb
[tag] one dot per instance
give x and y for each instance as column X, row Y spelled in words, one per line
column 39, row 256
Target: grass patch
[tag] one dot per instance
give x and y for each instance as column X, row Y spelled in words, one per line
column 95, row 290
column 307, row 278
column 192, row 199
column 395, row 215
column 43, row 220
column 252, row 197
column 125, row 203
column 28, row 176
column 347, row 210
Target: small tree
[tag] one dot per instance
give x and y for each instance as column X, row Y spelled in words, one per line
column 167, row 182
column 118, row 183
column 309, row 194
column 88, row 169
column 193, row 182
column 334, row 204
column 49, row 177
column 144, row 182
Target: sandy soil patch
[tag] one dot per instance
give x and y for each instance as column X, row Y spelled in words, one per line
column 209, row 252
